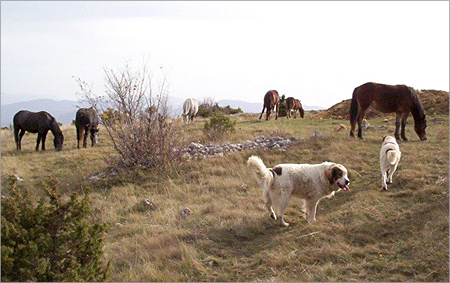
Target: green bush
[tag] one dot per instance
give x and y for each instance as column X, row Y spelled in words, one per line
column 283, row 107
column 50, row 240
column 218, row 127
column 209, row 109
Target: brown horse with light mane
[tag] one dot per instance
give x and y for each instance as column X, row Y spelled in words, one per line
column 400, row 99
column 271, row 99
column 295, row 105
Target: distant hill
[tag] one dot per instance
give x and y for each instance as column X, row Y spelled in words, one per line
column 64, row 110
column 433, row 101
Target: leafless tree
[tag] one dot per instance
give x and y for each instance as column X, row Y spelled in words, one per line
column 135, row 114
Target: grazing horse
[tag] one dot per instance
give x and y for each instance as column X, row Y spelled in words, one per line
column 294, row 105
column 86, row 120
column 37, row 122
column 271, row 99
column 400, row 99
column 190, row 108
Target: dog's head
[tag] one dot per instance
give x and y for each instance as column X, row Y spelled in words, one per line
column 389, row 139
column 337, row 175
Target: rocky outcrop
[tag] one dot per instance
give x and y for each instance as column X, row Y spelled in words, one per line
column 208, row 150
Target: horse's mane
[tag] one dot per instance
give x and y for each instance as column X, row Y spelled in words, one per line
column 417, row 109
column 55, row 127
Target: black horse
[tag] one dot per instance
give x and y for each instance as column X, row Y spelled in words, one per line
column 37, row 122
column 86, row 120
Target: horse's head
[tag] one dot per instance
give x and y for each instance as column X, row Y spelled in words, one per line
column 94, row 136
column 58, row 142
column 419, row 126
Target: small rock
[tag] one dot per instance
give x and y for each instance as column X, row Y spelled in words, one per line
column 119, row 224
column 316, row 134
column 185, row 212
column 340, row 128
column 147, row 204
column 18, row 178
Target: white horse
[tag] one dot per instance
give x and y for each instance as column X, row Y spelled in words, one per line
column 190, row 108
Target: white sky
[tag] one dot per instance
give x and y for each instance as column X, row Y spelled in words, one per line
column 315, row 51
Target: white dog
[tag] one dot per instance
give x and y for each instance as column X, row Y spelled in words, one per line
column 311, row 182
column 389, row 158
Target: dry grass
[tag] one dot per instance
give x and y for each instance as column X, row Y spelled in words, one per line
column 360, row 235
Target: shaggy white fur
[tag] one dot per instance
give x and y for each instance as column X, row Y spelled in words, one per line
column 311, row 182
column 389, row 158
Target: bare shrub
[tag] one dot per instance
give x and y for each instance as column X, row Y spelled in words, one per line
column 136, row 116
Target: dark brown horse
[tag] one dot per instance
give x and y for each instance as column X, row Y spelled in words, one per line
column 271, row 99
column 295, row 105
column 86, row 120
column 399, row 99
column 37, row 122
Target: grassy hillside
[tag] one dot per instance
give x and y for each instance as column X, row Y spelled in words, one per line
column 360, row 235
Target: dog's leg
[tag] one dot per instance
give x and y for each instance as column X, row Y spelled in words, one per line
column 283, row 204
column 390, row 174
column 383, row 181
column 268, row 202
column 311, row 206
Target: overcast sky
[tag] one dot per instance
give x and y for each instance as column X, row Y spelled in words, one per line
column 315, row 51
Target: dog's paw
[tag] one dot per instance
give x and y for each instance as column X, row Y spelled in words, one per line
column 383, row 189
column 273, row 216
column 284, row 224
column 389, row 182
column 311, row 220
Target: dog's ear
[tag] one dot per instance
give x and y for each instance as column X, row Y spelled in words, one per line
column 384, row 138
column 333, row 173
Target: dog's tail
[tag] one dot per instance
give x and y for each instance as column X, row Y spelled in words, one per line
column 262, row 173
column 392, row 156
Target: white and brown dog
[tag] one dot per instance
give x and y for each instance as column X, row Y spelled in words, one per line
column 311, row 182
column 389, row 158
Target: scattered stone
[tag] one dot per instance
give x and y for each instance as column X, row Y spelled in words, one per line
column 119, row 224
column 316, row 134
column 185, row 212
column 211, row 150
column 147, row 204
column 18, row 178
column 341, row 127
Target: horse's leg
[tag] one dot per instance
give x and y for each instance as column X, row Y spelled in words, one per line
column 22, row 132
column 44, row 136
column 404, row 117
column 397, row 126
column 260, row 116
column 288, row 113
column 16, row 137
column 360, row 117
column 276, row 113
column 79, row 134
column 85, row 137
column 38, row 141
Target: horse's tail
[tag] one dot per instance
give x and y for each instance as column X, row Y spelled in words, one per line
column 353, row 109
